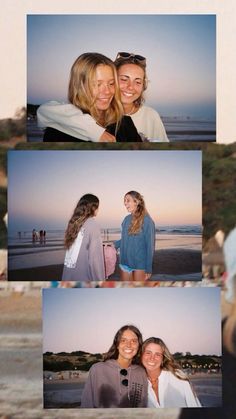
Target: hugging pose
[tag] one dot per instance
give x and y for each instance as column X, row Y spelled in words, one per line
column 105, row 103
column 137, row 374
column 84, row 258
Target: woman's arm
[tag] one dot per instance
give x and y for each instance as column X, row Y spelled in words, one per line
column 149, row 123
column 96, row 257
column 159, row 129
column 72, row 121
column 190, row 397
column 107, row 138
column 87, row 398
column 117, row 244
column 149, row 234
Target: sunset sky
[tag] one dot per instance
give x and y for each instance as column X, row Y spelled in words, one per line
column 180, row 52
column 45, row 186
column 13, row 30
column 187, row 319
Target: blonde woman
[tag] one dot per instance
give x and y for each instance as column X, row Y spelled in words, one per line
column 132, row 79
column 168, row 385
column 137, row 242
column 93, row 92
column 84, row 253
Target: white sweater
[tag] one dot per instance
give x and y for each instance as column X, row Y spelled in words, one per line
column 149, row 123
column 69, row 119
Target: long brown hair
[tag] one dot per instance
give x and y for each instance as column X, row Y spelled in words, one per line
column 80, row 94
column 113, row 352
column 85, row 208
column 168, row 363
column 138, row 217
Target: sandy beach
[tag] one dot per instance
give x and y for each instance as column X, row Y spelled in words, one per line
column 60, row 393
column 21, row 379
column 167, row 264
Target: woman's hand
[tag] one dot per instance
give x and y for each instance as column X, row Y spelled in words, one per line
column 107, row 138
column 147, row 276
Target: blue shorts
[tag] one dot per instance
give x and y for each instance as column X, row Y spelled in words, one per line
column 126, row 268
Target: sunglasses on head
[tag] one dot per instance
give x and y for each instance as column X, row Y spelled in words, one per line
column 125, row 382
column 127, row 55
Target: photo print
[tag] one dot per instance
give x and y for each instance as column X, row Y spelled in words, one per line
column 66, row 207
column 170, row 337
column 164, row 89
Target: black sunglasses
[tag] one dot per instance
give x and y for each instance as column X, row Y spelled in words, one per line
column 127, row 55
column 125, row 382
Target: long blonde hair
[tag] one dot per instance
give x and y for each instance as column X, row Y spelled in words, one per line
column 138, row 217
column 84, row 209
column 80, row 94
column 168, row 363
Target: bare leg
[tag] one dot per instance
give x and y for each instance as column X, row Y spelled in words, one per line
column 125, row 276
column 138, row 275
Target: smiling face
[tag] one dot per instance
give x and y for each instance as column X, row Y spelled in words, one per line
column 152, row 357
column 131, row 82
column 130, row 203
column 127, row 347
column 103, row 87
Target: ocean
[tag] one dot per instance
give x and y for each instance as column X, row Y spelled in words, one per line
column 177, row 129
column 23, row 252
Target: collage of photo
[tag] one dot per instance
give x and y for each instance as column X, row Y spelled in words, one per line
column 118, row 261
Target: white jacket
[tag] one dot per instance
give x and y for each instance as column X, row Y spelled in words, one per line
column 173, row 392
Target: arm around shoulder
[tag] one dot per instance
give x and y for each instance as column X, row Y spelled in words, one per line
column 68, row 118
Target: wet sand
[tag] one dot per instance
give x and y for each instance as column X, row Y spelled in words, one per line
column 166, row 262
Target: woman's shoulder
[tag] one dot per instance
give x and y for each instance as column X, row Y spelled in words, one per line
column 90, row 222
column 148, row 219
column 138, row 368
column 148, row 111
column 170, row 376
column 97, row 367
column 91, row 226
column 127, row 218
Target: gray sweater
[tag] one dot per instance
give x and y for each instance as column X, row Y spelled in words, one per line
column 104, row 386
column 90, row 262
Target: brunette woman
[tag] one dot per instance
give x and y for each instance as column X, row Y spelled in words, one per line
column 118, row 381
column 84, row 253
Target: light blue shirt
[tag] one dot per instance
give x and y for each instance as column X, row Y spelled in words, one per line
column 137, row 250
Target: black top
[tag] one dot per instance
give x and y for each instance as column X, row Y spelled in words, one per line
column 127, row 132
column 54, row 135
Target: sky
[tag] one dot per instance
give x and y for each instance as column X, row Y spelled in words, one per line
column 187, row 319
column 180, row 52
column 45, row 186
